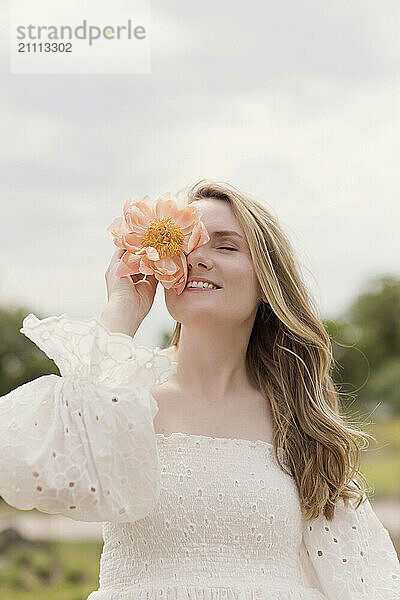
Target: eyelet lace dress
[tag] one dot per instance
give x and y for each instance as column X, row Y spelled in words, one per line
column 184, row 517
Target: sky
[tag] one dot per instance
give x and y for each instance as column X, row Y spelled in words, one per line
column 296, row 103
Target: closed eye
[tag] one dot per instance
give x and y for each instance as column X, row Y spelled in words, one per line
column 225, row 248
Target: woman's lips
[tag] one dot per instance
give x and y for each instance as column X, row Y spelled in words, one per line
column 192, row 289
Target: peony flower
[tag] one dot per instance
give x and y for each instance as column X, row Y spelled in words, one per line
column 157, row 237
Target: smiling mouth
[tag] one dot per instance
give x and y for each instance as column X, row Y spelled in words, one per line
column 196, row 289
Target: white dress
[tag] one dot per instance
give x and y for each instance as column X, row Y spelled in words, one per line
column 185, row 517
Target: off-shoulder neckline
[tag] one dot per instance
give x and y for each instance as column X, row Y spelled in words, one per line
column 224, row 440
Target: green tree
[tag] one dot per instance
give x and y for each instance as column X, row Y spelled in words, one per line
column 20, row 359
column 366, row 348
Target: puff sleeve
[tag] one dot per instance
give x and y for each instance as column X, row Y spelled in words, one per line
column 83, row 445
column 351, row 556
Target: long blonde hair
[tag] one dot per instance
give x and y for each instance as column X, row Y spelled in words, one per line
column 289, row 357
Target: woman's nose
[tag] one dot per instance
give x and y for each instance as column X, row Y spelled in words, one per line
column 198, row 261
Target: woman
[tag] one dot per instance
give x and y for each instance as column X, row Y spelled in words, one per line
column 221, row 467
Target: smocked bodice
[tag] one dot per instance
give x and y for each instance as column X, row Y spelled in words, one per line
column 226, row 513
column 227, row 516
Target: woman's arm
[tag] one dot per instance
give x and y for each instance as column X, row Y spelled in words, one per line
column 353, row 555
column 83, row 444
column 120, row 317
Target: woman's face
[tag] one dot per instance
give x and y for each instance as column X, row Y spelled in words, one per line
column 225, row 260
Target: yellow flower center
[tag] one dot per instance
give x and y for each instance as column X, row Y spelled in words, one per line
column 165, row 236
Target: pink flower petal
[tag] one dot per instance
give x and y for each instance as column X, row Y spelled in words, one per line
column 145, row 268
column 198, row 237
column 187, row 217
column 150, row 252
column 118, row 229
column 166, row 207
column 132, row 242
column 172, row 272
column 138, row 214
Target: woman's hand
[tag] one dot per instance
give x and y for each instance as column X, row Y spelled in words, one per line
column 129, row 298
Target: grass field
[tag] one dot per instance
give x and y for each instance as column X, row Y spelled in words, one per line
column 59, row 571
column 381, row 462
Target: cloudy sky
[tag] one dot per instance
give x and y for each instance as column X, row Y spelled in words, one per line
column 294, row 102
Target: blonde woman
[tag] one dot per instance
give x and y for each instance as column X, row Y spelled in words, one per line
column 221, row 467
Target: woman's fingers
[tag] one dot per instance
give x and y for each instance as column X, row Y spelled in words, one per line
column 116, row 257
column 118, row 252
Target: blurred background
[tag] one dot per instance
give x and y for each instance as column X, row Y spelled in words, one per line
column 295, row 103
